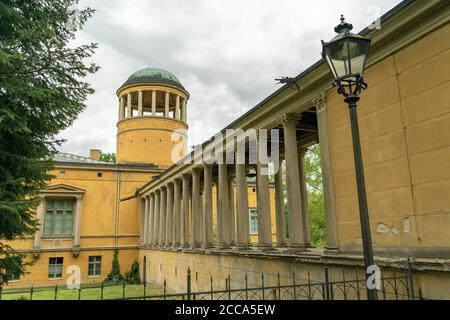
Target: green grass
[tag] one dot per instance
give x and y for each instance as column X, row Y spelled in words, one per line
column 87, row 293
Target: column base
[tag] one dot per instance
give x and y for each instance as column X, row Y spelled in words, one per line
column 296, row 249
column 208, row 246
column 308, row 246
column 243, row 247
column 223, row 246
column 264, row 247
column 331, row 250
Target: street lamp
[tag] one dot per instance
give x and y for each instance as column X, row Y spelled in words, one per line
column 346, row 56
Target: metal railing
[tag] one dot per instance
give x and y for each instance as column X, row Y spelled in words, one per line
column 349, row 286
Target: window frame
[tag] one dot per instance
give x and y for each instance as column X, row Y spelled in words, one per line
column 54, row 275
column 54, row 211
column 97, row 266
column 13, row 277
column 250, row 211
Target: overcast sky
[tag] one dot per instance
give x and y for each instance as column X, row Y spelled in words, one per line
column 226, row 53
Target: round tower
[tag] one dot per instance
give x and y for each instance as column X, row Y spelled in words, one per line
column 152, row 105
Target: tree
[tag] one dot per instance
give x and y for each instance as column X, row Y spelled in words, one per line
column 133, row 276
column 114, row 275
column 315, row 196
column 108, row 157
column 41, row 94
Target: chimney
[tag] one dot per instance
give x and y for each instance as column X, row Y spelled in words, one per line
column 94, row 154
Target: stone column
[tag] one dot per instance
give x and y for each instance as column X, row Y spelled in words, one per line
column 176, row 239
column 263, row 199
column 169, row 215
column 145, row 224
column 121, row 108
column 279, row 208
column 77, row 225
column 242, row 225
column 184, row 111
column 185, row 213
column 40, row 231
column 207, row 207
column 296, row 239
column 150, row 220
column 142, row 223
column 166, row 105
column 162, row 216
column 328, row 192
column 223, row 233
column 231, row 211
column 153, row 102
column 177, row 109
column 140, row 112
column 156, row 218
column 196, row 223
column 304, row 196
column 129, row 110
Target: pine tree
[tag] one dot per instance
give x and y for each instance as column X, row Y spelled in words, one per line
column 133, row 276
column 41, row 94
column 115, row 275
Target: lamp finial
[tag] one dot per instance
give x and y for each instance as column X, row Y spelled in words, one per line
column 343, row 26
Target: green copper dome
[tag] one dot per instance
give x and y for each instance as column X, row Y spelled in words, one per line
column 153, row 75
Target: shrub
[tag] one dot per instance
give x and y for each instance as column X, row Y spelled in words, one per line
column 133, row 276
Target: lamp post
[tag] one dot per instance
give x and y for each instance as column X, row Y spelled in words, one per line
column 346, row 56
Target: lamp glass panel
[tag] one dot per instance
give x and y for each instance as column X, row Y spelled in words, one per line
column 338, row 57
column 358, row 52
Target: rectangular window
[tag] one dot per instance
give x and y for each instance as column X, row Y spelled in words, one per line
column 55, row 266
column 95, row 265
column 12, row 276
column 58, row 219
column 253, row 215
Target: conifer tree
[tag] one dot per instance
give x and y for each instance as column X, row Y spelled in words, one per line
column 41, row 93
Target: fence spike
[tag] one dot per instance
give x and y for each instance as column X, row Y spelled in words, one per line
column 188, row 283
column 165, row 288
column 279, row 287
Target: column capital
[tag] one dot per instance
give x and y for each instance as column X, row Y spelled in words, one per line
column 301, row 151
column 186, row 175
column 177, row 180
column 197, row 169
column 289, row 121
column 320, row 102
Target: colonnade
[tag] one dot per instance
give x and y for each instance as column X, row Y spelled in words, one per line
column 145, row 101
column 178, row 212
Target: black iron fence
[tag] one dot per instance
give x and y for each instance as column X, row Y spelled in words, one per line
column 393, row 285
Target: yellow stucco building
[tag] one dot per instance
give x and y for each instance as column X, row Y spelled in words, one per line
column 171, row 216
column 90, row 208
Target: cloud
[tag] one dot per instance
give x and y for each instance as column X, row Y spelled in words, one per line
column 226, row 54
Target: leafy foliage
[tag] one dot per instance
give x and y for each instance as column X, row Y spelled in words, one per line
column 133, row 276
column 108, row 157
column 315, row 196
column 41, row 93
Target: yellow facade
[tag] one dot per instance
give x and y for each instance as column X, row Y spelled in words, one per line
column 106, row 223
column 404, row 119
column 150, row 139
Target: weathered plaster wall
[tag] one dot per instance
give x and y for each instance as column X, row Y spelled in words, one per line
column 404, row 119
column 172, row 266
